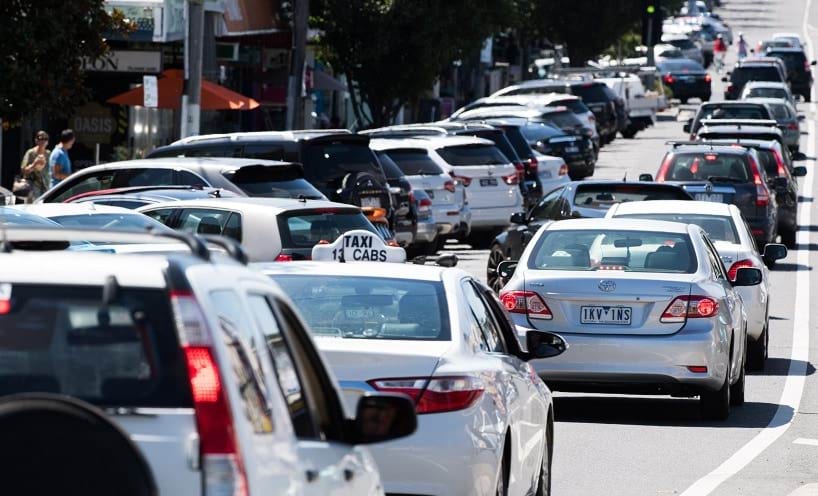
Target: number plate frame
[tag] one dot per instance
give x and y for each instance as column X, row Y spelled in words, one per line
column 606, row 309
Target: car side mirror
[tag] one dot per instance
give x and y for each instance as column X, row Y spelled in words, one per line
column 747, row 276
column 687, row 125
column 812, row 63
column 506, row 268
column 775, row 251
column 544, row 344
column 801, row 117
column 797, row 156
column 646, row 177
column 780, row 183
column 518, row 218
column 382, row 417
column 725, row 80
column 799, row 171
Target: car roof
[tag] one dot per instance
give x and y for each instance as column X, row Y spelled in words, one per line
column 704, row 148
column 59, row 209
column 614, row 182
column 603, row 224
column 728, row 103
column 220, row 163
column 785, row 50
column 267, row 205
column 298, row 135
column 674, row 207
column 360, row 269
column 529, row 98
column 753, row 143
column 768, row 100
column 767, row 84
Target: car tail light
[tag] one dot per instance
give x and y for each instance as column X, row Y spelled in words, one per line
column 668, row 79
column 563, row 170
column 512, row 179
column 707, row 78
column 520, row 167
column 697, row 369
column 793, row 126
column 435, row 395
column 283, row 257
column 729, row 88
column 466, row 181
column 663, row 170
column 526, row 302
column 223, row 471
column 424, row 205
column 449, row 186
column 411, row 196
column 533, row 165
column 762, row 193
column 689, row 307
column 731, row 274
column 779, row 162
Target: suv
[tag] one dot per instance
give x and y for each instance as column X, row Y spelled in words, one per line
column 752, row 70
column 798, row 69
column 241, row 176
column 726, row 174
column 726, row 110
column 202, row 361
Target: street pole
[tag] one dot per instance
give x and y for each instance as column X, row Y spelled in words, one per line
column 192, row 93
column 295, row 101
column 650, row 42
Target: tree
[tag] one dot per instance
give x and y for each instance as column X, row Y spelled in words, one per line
column 392, row 51
column 44, row 43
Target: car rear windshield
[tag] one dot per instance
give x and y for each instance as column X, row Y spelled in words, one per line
column 781, row 111
column 732, row 111
column 465, row 155
column 498, row 137
column 605, row 195
column 757, row 73
column 63, row 339
column 794, row 61
column 682, row 43
column 709, row 166
column 767, row 93
column 305, row 228
column 415, row 162
column 390, row 168
column 272, row 182
column 718, row 227
column 562, row 120
column 768, row 161
column 632, row 251
column 328, row 163
column 540, row 132
column 591, row 92
column 575, row 106
column 370, row 307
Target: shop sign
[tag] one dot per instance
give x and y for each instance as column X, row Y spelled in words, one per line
column 126, row 61
column 94, row 123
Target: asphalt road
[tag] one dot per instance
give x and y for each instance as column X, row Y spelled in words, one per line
column 617, row 445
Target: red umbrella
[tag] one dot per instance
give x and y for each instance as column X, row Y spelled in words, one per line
column 214, row 96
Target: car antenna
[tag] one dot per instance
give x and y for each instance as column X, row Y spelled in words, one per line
column 625, row 179
column 302, row 198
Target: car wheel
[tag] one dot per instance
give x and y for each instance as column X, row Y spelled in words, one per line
column 788, row 236
column 807, row 97
column 629, row 133
column 502, row 477
column 493, row 278
column 757, row 351
column 715, row 405
column 544, row 481
column 480, row 240
column 737, row 389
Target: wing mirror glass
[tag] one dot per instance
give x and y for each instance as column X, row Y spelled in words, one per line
column 747, row 276
column 518, row 218
column 383, row 417
column 775, row 251
column 544, row 344
column 799, row 171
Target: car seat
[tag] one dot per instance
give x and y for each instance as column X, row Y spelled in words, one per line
column 209, row 225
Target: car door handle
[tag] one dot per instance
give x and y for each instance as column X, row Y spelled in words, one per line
column 349, row 474
column 312, row 475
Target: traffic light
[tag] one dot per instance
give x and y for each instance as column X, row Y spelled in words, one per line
column 651, row 17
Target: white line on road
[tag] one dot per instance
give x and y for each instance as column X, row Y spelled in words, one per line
column 806, row 442
column 797, row 373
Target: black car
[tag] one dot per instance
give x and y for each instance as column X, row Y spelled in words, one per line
column 405, row 221
column 686, row 79
column 573, row 200
column 799, row 73
column 726, row 174
column 576, row 150
column 781, row 174
column 727, row 110
column 338, row 163
column 751, row 70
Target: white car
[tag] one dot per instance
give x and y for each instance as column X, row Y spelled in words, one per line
column 732, row 239
column 270, row 229
column 485, row 420
column 767, row 89
column 793, row 38
column 647, row 307
column 202, row 362
column 92, row 216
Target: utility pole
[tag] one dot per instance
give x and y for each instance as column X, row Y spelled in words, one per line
column 192, row 92
column 295, row 101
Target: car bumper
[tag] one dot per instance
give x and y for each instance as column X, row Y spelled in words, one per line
column 426, row 233
column 640, row 364
column 492, row 217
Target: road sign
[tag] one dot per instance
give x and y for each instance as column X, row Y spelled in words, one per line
column 150, row 89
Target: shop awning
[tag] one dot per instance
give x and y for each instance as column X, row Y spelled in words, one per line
column 325, row 82
column 214, row 96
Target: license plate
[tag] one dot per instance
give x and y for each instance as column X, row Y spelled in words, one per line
column 371, row 201
column 606, row 315
column 362, row 313
column 571, row 149
column 489, row 181
column 710, row 197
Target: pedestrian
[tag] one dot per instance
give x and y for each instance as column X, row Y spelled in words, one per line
column 59, row 164
column 34, row 178
column 742, row 46
column 719, row 51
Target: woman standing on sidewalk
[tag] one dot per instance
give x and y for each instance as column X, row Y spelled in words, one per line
column 34, row 167
column 742, row 46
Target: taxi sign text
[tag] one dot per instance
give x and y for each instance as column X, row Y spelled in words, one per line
column 358, row 246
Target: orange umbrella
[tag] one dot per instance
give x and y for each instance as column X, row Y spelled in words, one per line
column 214, row 96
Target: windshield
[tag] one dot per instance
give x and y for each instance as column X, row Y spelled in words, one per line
column 64, row 340
column 11, row 217
column 305, row 229
column 590, row 92
column 327, row 163
column 471, row 155
column 103, row 221
column 718, row 227
column 682, row 43
column 605, row 195
column 710, row 166
column 575, row 106
column 632, row 251
column 370, row 307
column 415, row 162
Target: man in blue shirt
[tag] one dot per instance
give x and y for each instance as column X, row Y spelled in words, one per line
column 59, row 164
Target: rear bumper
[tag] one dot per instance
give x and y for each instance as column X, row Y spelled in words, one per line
column 426, row 233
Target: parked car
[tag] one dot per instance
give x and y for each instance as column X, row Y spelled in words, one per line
column 787, row 118
column 767, row 89
column 686, row 79
column 427, row 227
column 244, row 177
column 203, row 362
column 751, row 70
column 648, row 306
column 574, row 200
column 731, row 237
column 405, row 222
column 799, row 73
column 139, row 196
column 439, row 336
column 92, row 216
column 726, row 110
column 640, row 107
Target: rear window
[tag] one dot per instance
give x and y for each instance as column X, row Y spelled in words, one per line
column 718, row 227
column 272, row 182
column 605, row 195
column 683, row 44
column 500, row 140
column 591, row 93
column 631, row 251
column 709, row 166
column 767, row 93
column 328, row 163
column 563, row 120
column 540, row 132
column 758, row 73
column 780, row 111
column 415, row 162
column 518, row 141
column 390, row 168
column 794, row 61
column 472, row 155
column 681, row 65
column 63, row 339
column 575, row 106
column 370, row 307
column 304, row 229
column 734, row 112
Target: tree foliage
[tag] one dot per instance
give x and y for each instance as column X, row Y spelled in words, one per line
column 43, row 44
column 392, row 51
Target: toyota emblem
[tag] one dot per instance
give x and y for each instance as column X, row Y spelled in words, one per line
column 607, row 286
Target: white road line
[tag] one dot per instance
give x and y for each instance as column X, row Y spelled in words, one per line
column 806, row 442
column 797, row 373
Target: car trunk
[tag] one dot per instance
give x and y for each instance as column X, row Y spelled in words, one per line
column 608, row 302
column 491, row 179
column 741, row 195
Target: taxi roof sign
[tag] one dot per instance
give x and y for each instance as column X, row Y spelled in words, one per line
column 358, row 246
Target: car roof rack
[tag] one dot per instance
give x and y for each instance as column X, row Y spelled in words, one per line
column 196, row 243
column 740, row 122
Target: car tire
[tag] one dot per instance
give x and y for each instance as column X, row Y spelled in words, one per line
column 630, row 132
column 480, row 240
column 788, row 236
column 807, row 96
column 715, row 405
column 503, row 476
column 544, row 480
column 757, row 350
column 496, row 256
column 737, row 389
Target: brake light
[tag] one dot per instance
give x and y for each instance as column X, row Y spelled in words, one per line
column 707, row 78
column 466, row 181
column 5, row 307
column 668, row 79
column 223, row 471
column 283, row 257
column 526, row 302
column 729, row 87
column 425, row 202
column 435, row 395
column 449, row 186
column 411, row 196
column 689, row 307
column 779, row 162
column 793, row 126
column 663, row 170
column 563, row 170
column 512, row 179
column 762, row 193
column 520, row 167
column 731, row 274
